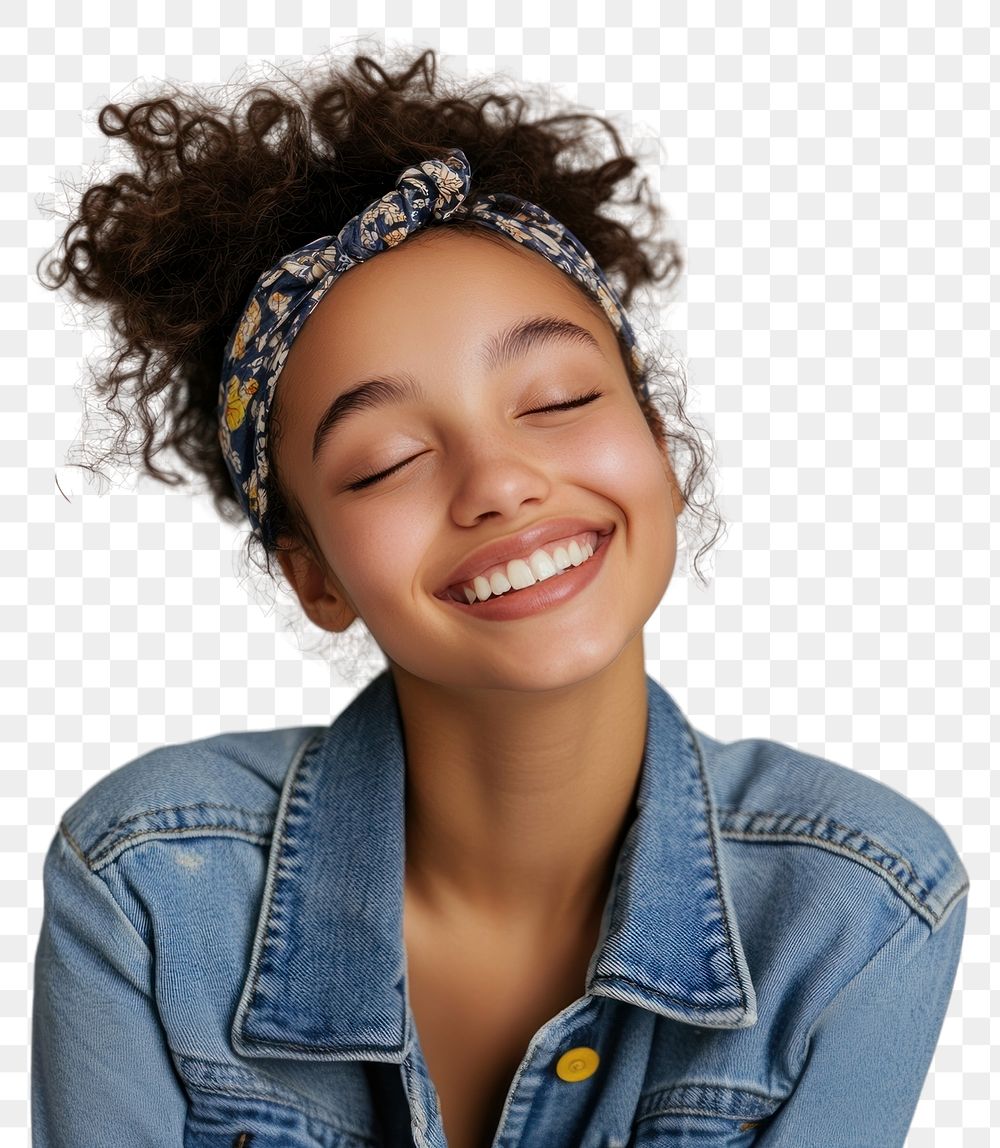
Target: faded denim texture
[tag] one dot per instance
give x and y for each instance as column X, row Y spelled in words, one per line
column 221, row 954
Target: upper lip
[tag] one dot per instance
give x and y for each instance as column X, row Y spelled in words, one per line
column 519, row 546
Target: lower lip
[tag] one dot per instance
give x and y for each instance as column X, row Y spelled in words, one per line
column 543, row 595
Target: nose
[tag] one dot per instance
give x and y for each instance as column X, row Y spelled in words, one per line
column 494, row 477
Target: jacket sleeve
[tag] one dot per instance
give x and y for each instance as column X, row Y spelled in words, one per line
column 101, row 1072
column 869, row 1050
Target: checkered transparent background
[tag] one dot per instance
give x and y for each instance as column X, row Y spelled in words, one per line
column 827, row 168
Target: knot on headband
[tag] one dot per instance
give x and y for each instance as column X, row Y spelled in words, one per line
column 431, row 192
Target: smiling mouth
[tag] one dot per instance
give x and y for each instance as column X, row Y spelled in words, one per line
column 548, row 561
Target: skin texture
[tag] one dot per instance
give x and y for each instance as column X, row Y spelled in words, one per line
column 524, row 738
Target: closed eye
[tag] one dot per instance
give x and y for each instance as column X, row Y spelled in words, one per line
column 579, row 401
column 370, row 479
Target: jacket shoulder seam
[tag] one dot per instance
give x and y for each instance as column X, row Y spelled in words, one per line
column 835, row 837
column 192, row 817
column 99, row 859
column 169, row 820
column 73, row 843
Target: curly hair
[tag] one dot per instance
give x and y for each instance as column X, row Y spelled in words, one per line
column 221, row 188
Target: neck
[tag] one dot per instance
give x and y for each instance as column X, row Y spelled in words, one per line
column 517, row 803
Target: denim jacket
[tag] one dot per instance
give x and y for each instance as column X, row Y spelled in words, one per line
column 221, row 960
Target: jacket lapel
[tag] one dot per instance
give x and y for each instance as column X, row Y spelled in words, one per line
column 325, row 979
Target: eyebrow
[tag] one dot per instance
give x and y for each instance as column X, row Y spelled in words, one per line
column 500, row 349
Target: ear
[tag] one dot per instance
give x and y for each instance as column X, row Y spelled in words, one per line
column 319, row 592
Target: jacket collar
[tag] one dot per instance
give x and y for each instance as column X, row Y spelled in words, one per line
column 325, row 979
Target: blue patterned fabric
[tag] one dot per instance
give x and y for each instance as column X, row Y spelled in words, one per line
column 431, row 192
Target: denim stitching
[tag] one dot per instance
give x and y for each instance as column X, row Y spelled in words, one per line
column 110, row 839
column 278, row 846
column 100, row 860
column 916, row 900
column 299, row 762
column 304, row 768
column 123, row 821
column 819, row 821
column 707, row 1010
column 220, row 1079
column 708, row 799
column 697, row 1098
column 686, row 1110
column 301, row 775
column 73, row 843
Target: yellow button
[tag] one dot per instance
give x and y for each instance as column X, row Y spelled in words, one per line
column 577, row 1064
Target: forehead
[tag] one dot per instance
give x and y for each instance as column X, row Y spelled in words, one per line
column 460, row 257
column 442, row 288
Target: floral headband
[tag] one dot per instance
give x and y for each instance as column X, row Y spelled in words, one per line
column 431, row 192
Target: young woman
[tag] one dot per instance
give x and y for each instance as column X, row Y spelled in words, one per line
column 509, row 896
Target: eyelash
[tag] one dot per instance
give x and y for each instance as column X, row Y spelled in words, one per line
column 370, row 479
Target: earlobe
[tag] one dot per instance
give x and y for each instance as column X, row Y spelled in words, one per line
column 321, row 596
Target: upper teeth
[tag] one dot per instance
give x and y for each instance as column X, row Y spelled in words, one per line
column 521, row 573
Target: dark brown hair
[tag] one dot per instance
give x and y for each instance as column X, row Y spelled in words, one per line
column 220, row 187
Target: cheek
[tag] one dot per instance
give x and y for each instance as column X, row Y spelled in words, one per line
column 622, row 456
column 378, row 550
column 625, row 464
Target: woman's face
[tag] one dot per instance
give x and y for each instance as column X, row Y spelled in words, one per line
column 476, row 459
